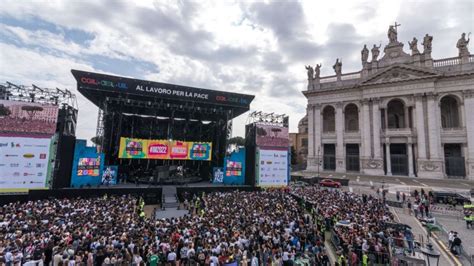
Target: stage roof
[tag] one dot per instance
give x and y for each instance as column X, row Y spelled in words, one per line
column 99, row 88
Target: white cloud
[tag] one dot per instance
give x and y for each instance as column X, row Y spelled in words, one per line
column 249, row 47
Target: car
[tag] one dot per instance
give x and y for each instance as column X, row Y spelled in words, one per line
column 448, row 197
column 329, row 183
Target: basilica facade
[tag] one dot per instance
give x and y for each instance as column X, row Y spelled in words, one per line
column 404, row 114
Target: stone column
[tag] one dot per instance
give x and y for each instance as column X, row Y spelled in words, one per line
column 433, row 127
column 374, row 165
column 388, row 159
column 433, row 166
column 376, row 128
column 385, row 117
column 340, row 160
column 365, row 130
column 318, row 130
column 407, row 118
column 420, row 127
column 469, row 105
column 410, row 158
column 311, row 137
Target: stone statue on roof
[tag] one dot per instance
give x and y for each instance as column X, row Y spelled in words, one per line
column 317, row 71
column 462, row 45
column 310, row 72
column 392, row 33
column 364, row 54
column 375, row 52
column 338, row 67
column 427, row 44
column 414, row 46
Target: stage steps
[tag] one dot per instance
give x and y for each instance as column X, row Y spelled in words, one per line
column 169, row 197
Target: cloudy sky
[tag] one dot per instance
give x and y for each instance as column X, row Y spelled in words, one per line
column 258, row 48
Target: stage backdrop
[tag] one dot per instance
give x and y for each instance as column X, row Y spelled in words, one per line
column 87, row 166
column 26, row 130
column 131, row 148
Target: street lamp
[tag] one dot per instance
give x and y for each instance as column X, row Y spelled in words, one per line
column 431, row 255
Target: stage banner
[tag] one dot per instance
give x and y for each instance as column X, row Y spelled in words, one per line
column 109, row 175
column 158, row 149
column 131, row 148
column 23, row 163
column 272, row 136
column 179, row 150
column 201, row 151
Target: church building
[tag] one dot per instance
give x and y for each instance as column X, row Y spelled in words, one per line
column 401, row 115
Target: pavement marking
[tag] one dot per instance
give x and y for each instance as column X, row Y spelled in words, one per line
column 396, row 215
column 467, row 185
column 403, row 183
column 446, row 250
column 423, row 184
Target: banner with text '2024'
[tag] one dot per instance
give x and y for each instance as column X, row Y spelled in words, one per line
column 132, row 148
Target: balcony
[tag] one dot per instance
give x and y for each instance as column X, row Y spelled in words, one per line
column 453, row 135
column 397, row 132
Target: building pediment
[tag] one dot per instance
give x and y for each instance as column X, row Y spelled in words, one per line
column 398, row 73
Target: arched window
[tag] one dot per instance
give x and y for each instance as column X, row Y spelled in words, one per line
column 329, row 119
column 351, row 117
column 449, row 112
column 396, row 114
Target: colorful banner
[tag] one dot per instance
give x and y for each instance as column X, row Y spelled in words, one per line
column 131, row 148
column 24, row 163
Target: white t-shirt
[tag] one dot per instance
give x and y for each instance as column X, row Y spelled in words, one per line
column 172, row 256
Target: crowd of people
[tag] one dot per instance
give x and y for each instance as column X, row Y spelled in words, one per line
column 361, row 223
column 235, row 228
column 270, row 227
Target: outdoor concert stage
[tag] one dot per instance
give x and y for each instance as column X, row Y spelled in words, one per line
column 141, row 123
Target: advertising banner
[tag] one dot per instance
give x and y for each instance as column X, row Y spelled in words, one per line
column 272, row 167
column 27, row 119
column 131, row 148
column 272, row 136
column 24, row 163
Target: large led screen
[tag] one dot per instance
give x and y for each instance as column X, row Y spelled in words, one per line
column 272, row 136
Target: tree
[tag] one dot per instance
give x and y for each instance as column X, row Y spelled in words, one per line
column 4, row 111
column 239, row 141
column 294, row 159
